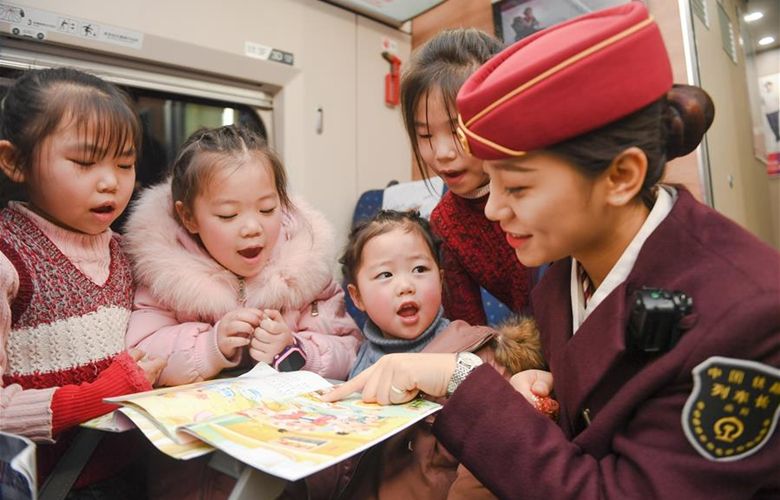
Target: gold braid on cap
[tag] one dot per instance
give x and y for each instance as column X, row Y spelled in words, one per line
column 461, row 131
column 463, row 128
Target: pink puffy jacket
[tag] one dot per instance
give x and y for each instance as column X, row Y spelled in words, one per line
column 182, row 292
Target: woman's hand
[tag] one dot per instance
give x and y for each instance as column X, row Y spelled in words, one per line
column 270, row 337
column 398, row 378
column 235, row 329
column 536, row 387
column 532, row 383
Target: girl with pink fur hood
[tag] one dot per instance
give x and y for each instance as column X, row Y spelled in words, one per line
column 228, row 268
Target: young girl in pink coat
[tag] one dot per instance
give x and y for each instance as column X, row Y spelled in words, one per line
column 229, row 268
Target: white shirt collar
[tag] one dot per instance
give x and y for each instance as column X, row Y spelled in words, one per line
column 665, row 199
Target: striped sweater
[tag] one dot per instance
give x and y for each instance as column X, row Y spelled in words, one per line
column 62, row 325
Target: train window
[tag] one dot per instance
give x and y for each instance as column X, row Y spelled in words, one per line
column 169, row 119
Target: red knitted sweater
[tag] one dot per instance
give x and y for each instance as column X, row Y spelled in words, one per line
column 475, row 254
column 68, row 332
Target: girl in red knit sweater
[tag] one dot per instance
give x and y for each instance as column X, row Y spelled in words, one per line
column 474, row 251
column 70, row 140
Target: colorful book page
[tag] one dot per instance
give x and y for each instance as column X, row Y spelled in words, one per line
column 162, row 442
column 296, row 437
column 172, row 408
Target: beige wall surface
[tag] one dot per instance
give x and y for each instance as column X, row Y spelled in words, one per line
column 329, row 155
column 383, row 151
column 452, row 14
column 338, row 69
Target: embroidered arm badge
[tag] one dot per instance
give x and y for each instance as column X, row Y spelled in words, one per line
column 733, row 408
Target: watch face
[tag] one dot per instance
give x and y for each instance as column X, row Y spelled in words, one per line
column 464, row 364
column 470, row 359
column 293, row 360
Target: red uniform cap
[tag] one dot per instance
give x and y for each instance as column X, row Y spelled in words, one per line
column 564, row 81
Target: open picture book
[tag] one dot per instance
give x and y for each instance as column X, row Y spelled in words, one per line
column 273, row 421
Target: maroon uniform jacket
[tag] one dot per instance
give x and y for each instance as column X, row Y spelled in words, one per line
column 639, row 442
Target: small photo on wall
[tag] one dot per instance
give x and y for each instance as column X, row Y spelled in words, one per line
column 517, row 19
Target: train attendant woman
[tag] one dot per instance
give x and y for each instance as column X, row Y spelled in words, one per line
column 660, row 318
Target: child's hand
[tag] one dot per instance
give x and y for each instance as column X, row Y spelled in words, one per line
column 536, row 387
column 270, row 337
column 151, row 366
column 235, row 329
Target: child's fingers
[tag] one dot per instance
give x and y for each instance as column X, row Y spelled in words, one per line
column 240, row 328
column 260, row 355
column 262, row 336
column 148, row 364
column 136, row 354
column 273, row 315
column 267, row 325
column 261, row 345
column 272, row 326
column 235, row 342
column 152, row 368
column 247, row 315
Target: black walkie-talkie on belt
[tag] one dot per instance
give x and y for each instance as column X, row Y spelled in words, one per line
column 654, row 327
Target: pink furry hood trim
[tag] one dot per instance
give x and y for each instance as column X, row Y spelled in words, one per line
column 184, row 277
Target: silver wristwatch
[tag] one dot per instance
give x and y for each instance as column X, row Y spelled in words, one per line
column 465, row 362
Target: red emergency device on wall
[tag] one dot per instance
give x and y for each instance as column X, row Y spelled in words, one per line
column 392, row 79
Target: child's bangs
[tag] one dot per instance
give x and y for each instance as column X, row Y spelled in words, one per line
column 205, row 167
column 107, row 126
